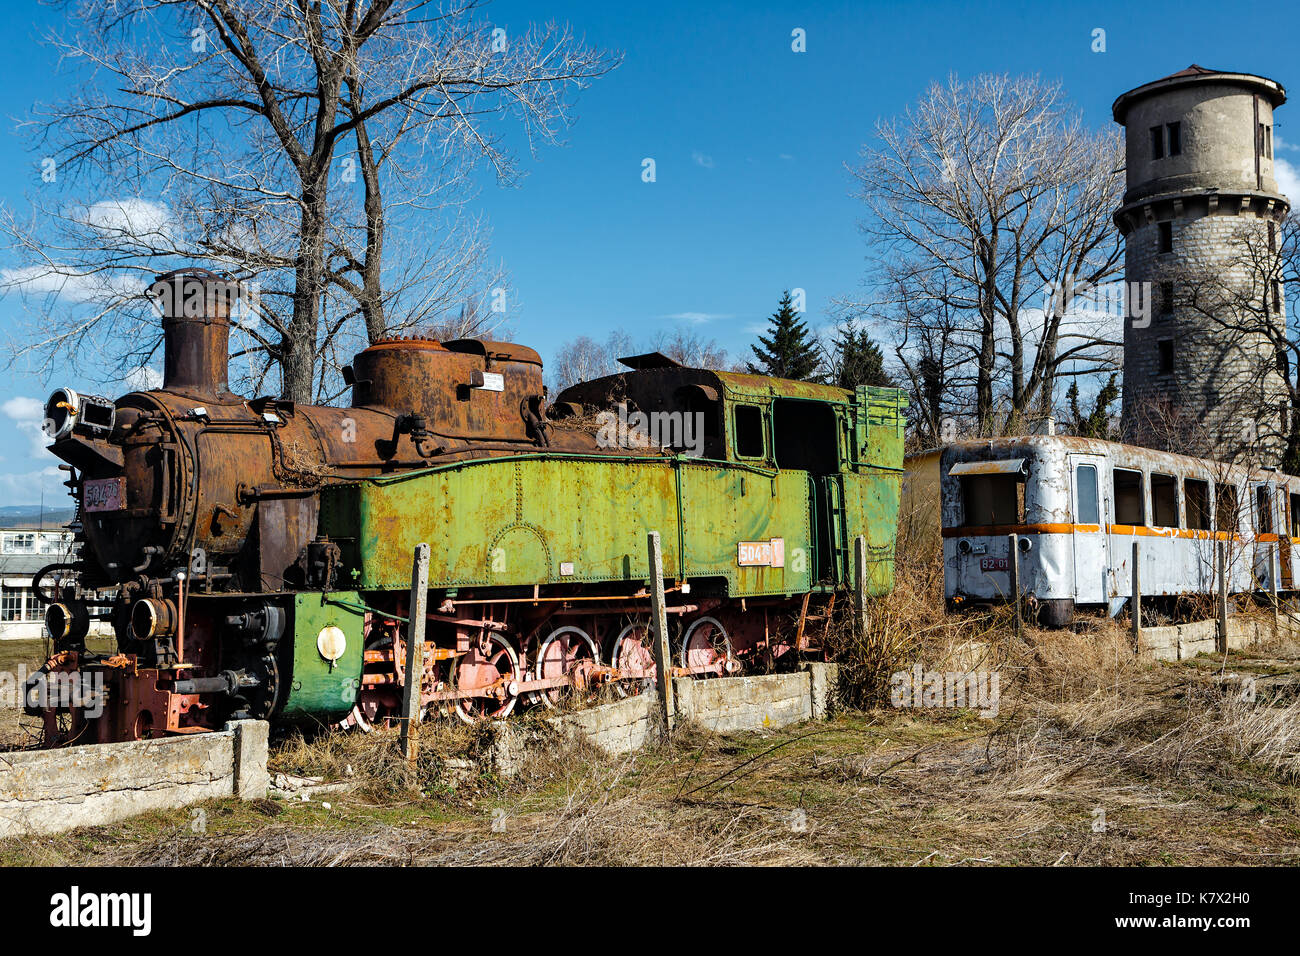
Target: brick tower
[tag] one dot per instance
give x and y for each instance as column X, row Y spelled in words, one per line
column 1199, row 218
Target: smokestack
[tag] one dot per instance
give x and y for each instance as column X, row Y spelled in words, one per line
column 196, row 306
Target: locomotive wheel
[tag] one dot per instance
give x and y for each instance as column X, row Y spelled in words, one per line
column 560, row 654
column 633, row 648
column 706, row 642
column 476, row 669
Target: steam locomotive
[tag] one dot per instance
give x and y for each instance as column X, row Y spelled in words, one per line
column 254, row 556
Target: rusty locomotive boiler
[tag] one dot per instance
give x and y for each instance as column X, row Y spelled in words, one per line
column 256, row 553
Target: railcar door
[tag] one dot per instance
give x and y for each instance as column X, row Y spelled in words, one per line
column 1089, row 503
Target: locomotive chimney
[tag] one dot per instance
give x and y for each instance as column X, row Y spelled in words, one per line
column 196, row 306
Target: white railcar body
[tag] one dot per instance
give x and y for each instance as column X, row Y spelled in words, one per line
column 1078, row 505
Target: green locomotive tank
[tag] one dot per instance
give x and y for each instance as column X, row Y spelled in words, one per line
column 272, row 567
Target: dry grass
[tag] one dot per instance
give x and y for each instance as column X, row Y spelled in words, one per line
column 1094, row 758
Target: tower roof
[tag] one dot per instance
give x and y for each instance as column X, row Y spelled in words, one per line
column 1196, row 74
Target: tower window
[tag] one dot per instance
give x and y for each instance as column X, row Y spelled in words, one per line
column 1265, row 143
column 1166, row 299
column 1158, row 142
column 1175, row 131
column 1272, row 236
column 1277, row 297
column 1166, row 236
column 1165, row 357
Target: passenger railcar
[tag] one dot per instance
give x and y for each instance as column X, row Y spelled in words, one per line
column 1078, row 505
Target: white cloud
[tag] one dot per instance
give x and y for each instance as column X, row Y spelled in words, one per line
column 142, row 379
column 697, row 318
column 132, row 217
column 24, row 488
column 700, row 159
column 785, row 156
column 65, row 283
column 28, row 414
column 1288, row 179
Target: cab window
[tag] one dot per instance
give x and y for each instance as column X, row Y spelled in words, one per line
column 992, row 500
column 748, row 423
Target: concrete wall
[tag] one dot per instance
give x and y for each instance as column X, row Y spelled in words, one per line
column 745, row 703
column 1181, row 641
column 46, row 791
column 724, row 705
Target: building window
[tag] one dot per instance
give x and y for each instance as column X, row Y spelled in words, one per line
column 20, row 542
column 1175, row 131
column 11, row 604
column 1272, row 236
column 1165, row 357
column 1265, row 143
column 1166, row 236
column 1158, row 142
column 1166, row 299
column 1277, row 297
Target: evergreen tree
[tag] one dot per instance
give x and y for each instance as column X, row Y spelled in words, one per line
column 787, row 350
column 858, row 360
column 1097, row 422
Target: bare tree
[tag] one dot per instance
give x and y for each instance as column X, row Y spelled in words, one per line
column 323, row 148
column 690, row 349
column 583, row 358
column 983, row 194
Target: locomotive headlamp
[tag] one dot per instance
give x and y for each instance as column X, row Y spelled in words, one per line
column 1026, row 545
column 66, row 410
column 331, row 643
column 963, row 546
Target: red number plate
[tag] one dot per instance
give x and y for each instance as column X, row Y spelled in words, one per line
column 104, row 494
column 993, row 564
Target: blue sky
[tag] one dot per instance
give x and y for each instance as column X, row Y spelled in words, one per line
column 749, row 140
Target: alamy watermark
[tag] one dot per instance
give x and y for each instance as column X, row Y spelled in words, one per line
column 678, row 430
column 976, row 690
column 82, row 691
column 1124, row 300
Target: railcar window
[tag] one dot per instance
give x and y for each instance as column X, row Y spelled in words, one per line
column 1263, row 510
column 1164, row 501
column 1225, row 507
column 749, row 431
column 1130, row 501
column 1086, row 479
column 1295, row 516
column 1197, row 493
column 992, row 500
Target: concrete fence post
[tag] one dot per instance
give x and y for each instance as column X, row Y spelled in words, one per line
column 860, row 583
column 659, row 621
column 418, row 609
column 1274, row 569
column 1137, row 597
column 1013, row 569
column 1223, row 598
